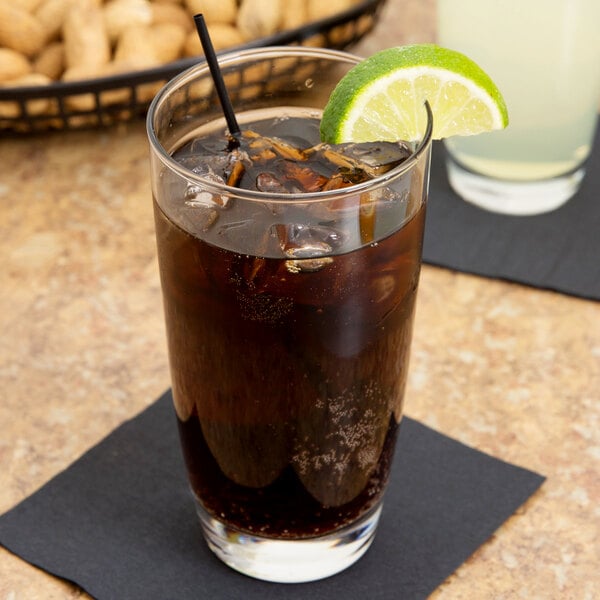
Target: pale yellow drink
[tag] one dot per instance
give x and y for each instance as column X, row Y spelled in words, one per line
column 544, row 56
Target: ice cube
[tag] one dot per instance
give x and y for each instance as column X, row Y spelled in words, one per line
column 374, row 158
column 212, row 160
column 354, row 163
column 269, row 183
column 264, row 147
column 200, row 213
column 195, row 195
column 299, row 241
column 303, row 177
column 203, row 163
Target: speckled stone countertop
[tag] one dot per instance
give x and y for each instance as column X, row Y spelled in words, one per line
column 507, row 369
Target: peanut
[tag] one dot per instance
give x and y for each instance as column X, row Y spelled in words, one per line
column 51, row 60
column 20, row 30
column 259, row 18
column 85, row 37
column 295, row 14
column 163, row 12
column 52, row 14
column 168, row 40
column 120, row 14
column 136, row 47
column 222, row 36
column 214, row 11
column 13, row 64
column 27, row 5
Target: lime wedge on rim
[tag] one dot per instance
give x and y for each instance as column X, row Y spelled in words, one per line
column 381, row 98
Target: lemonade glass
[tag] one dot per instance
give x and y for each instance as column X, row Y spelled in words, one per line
column 545, row 57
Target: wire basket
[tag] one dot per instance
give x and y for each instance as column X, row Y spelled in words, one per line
column 105, row 101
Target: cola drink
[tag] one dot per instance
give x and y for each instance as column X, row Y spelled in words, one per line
column 289, row 323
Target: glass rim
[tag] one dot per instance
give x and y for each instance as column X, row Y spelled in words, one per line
column 223, row 189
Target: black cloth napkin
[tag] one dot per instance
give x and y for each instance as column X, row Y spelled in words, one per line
column 559, row 250
column 120, row 521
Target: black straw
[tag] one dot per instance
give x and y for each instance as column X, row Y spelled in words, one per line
column 215, row 71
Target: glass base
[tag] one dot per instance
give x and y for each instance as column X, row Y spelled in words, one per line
column 290, row 561
column 513, row 197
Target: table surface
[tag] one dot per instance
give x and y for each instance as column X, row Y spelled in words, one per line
column 511, row 370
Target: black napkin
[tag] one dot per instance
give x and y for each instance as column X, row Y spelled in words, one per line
column 120, row 521
column 559, row 250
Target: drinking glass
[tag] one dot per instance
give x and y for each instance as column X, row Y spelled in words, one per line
column 289, row 320
column 544, row 55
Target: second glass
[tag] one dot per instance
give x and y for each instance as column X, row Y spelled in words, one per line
column 289, row 315
column 544, row 56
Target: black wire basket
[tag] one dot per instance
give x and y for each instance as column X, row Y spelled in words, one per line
column 105, row 101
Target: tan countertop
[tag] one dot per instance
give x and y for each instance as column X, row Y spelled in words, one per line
column 508, row 369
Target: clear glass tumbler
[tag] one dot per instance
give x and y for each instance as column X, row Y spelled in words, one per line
column 289, row 319
column 544, row 55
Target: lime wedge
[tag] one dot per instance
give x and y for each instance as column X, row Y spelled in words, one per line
column 381, row 98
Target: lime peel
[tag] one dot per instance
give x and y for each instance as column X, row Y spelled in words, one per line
column 382, row 97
